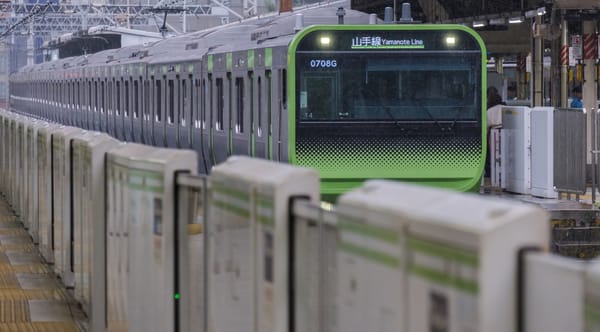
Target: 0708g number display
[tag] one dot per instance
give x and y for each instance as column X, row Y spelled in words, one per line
column 321, row 63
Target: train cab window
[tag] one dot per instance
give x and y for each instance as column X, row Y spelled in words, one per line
column 136, row 99
column 171, row 105
column 239, row 104
column 126, row 100
column 220, row 103
column 158, row 104
column 438, row 85
column 118, row 97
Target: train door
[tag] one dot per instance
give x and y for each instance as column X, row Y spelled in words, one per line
column 221, row 117
column 260, row 146
column 94, row 118
column 61, row 100
column 172, row 107
column 67, row 101
column 158, row 129
column 119, row 108
column 76, row 105
column 127, row 110
column 102, row 118
column 186, row 100
column 111, row 106
column 241, row 105
column 136, row 110
column 196, row 119
column 146, row 113
column 205, row 117
column 87, row 103
column 87, row 113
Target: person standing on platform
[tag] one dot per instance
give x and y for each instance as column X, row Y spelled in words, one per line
column 576, row 101
column 494, row 120
column 494, row 108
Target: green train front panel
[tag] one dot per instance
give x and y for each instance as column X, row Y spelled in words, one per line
column 400, row 102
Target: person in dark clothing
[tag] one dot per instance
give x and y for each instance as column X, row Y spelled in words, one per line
column 493, row 97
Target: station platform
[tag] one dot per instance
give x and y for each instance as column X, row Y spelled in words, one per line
column 32, row 298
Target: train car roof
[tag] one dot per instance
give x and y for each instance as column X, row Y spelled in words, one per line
column 258, row 32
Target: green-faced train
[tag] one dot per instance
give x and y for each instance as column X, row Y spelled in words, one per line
column 355, row 101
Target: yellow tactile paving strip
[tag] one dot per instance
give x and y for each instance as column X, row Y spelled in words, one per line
column 39, row 327
column 15, row 302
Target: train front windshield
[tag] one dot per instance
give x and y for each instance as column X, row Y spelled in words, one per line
column 423, row 76
column 396, row 101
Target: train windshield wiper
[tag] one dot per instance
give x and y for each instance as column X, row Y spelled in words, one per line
column 388, row 111
column 424, row 108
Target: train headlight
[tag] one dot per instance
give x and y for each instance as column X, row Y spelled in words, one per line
column 325, row 41
column 450, row 41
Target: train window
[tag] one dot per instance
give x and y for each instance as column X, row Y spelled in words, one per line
column 185, row 104
column 146, row 96
column 251, row 102
column 203, row 101
column 136, row 99
column 118, row 99
column 89, row 96
column 102, row 96
column 220, row 103
column 259, row 109
column 95, row 96
column 69, row 94
column 389, row 87
column 195, row 104
column 171, row 96
column 110, row 97
column 158, row 104
column 239, row 88
column 78, row 94
column 283, row 80
column 126, row 99
column 269, row 99
column 177, row 104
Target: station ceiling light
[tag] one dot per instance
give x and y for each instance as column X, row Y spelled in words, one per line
column 515, row 19
column 479, row 23
column 498, row 21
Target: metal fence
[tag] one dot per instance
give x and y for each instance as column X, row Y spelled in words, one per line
column 570, row 150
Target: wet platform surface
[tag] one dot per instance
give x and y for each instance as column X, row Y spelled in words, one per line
column 32, row 298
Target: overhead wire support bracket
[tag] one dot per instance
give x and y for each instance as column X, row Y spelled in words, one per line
column 36, row 11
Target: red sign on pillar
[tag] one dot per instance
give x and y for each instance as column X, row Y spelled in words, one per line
column 589, row 46
column 564, row 55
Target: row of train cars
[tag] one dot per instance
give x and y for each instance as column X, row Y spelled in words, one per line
column 146, row 245
column 355, row 101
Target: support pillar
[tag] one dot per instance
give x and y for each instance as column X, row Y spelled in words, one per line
column 538, row 67
column 564, row 64
column 590, row 81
